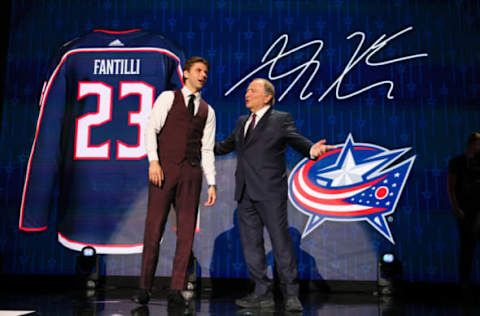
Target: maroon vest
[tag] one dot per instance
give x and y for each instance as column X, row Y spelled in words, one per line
column 181, row 136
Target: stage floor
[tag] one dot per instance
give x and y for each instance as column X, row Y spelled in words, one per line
column 116, row 301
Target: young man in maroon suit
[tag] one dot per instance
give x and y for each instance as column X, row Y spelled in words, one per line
column 180, row 138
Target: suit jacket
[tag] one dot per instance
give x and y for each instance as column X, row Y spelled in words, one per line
column 261, row 165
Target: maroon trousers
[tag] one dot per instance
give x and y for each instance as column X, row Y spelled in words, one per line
column 182, row 186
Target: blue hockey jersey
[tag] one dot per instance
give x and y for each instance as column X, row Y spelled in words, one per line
column 89, row 142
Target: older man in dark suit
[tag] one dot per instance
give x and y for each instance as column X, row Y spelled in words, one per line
column 260, row 140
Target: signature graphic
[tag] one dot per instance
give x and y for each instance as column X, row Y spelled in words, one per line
column 311, row 67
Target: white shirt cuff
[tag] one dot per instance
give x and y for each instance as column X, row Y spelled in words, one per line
column 210, row 179
column 152, row 156
column 311, row 155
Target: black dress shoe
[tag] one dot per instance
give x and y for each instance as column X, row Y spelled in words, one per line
column 140, row 311
column 176, row 299
column 142, row 296
column 268, row 311
column 256, row 301
column 293, row 304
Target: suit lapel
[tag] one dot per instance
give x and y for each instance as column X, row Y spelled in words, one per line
column 257, row 131
column 242, row 132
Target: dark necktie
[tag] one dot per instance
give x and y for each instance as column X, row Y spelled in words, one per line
column 251, row 127
column 191, row 105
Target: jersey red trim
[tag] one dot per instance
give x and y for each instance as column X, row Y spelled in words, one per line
column 117, row 32
column 99, row 245
column 101, row 248
column 32, row 229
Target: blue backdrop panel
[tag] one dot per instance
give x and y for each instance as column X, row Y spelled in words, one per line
column 434, row 107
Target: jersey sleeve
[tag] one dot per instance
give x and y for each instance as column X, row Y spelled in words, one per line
column 43, row 163
column 175, row 71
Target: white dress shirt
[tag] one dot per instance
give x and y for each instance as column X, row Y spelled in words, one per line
column 258, row 115
column 157, row 119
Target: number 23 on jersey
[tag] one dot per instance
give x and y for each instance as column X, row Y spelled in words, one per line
column 104, row 92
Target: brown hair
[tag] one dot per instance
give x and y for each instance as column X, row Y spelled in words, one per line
column 189, row 63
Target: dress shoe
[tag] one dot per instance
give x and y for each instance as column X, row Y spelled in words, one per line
column 140, row 311
column 142, row 297
column 176, row 299
column 256, row 301
column 293, row 304
column 268, row 311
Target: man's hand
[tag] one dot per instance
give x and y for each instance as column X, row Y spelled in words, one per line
column 320, row 148
column 459, row 213
column 155, row 173
column 212, row 196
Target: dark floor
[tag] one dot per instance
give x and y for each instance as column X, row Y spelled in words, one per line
column 115, row 300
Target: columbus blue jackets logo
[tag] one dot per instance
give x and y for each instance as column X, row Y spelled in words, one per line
column 354, row 182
